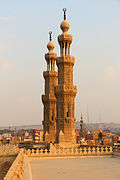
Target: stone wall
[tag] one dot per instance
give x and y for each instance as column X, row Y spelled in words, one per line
column 8, row 154
column 5, row 164
column 16, row 171
column 20, row 168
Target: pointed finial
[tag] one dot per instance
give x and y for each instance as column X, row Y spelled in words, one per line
column 50, row 33
column 64, row 10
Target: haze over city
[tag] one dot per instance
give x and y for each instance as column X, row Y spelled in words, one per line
column 24, row 27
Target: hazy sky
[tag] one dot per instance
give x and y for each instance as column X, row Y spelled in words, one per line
column 24, row 27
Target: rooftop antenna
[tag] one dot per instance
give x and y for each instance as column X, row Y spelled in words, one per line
column 64, row 10
column 50, row 35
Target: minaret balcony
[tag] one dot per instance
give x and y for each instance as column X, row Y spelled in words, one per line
column 66, row 59
column 47, row 74
column 48, row 98
column 65, row 37
column 50, row 55
column 68, row 90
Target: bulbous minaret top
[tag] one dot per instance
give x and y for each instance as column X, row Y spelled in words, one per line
column 50, row 45
column 50, row 56
column 64, row 25
column 65, row 39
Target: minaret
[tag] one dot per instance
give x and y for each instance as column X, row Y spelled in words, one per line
column 83, row 131
column 49, row 100
column 65, row 92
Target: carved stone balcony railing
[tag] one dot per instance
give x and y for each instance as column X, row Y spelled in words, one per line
column 65, row 89
column 7, row 150
column 65, row 59
column 82, row 151
column 21, row 169
column 47, row 74
column 50, row 55
column 65, row 37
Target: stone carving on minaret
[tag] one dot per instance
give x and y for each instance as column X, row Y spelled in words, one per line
column 65, row 91
column 48, row 99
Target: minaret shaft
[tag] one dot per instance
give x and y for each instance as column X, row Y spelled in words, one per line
column 65, row 92
column 48, row 99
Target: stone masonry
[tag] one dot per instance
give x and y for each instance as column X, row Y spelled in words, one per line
column 65, row 92
column 59, row 118
column 49, row 100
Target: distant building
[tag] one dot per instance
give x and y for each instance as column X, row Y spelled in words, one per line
column 1, row 137
column 16, row 140
column 37, row 135
column 83, row 130
column 26, row 134
column 6, row 135
column 20, row 133
column 77, row 132
column 28, row 139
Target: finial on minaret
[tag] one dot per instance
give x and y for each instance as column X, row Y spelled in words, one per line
column 50, row 45
column 50, row 33
column 64, row 10
column 64, row 25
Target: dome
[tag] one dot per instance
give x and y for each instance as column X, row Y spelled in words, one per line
column 64, row 26
column 50, row 46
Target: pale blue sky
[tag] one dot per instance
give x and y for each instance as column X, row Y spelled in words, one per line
column 24, row 27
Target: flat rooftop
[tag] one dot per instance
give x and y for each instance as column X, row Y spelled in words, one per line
column 85, row 168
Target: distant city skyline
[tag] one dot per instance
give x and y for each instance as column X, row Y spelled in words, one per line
column 24, row 27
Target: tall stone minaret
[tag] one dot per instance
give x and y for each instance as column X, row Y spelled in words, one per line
column 49, row 100
column 83, row 131
column 65, row 92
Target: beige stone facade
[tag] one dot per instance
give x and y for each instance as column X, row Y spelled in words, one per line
column 48, row 99
column 59, row 99
column 65, row 92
